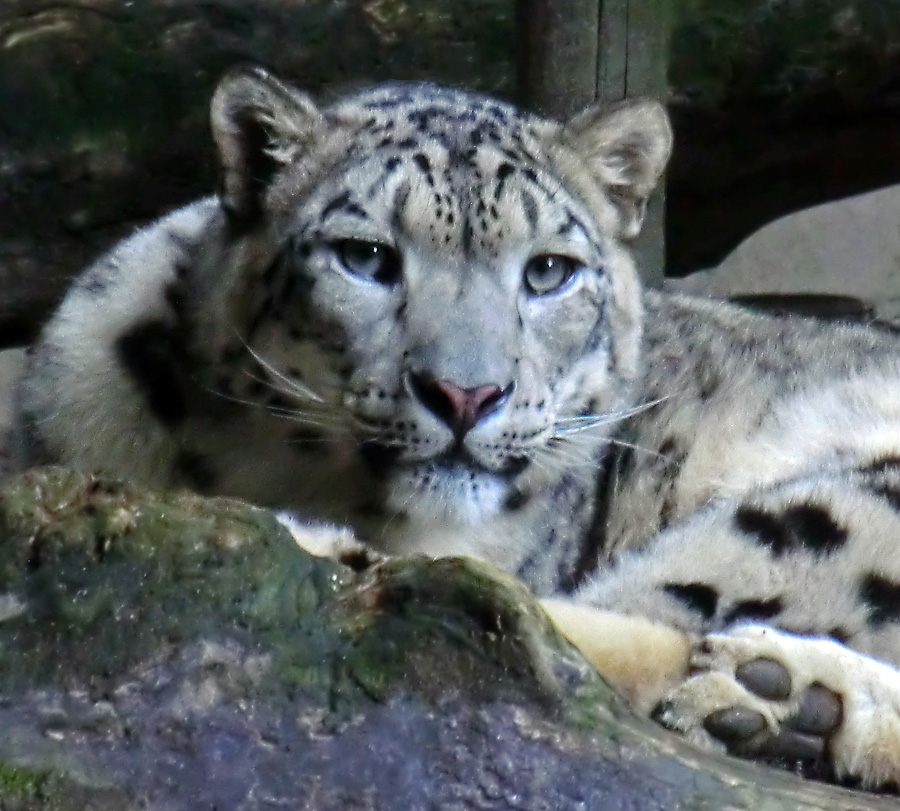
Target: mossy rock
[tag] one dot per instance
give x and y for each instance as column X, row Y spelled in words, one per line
column 167, row 651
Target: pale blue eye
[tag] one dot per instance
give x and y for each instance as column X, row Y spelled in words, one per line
column 369, row 260
column 549, row 272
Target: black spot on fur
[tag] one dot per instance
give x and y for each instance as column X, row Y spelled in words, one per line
column 531, row 210
column 498, row 112
column 568, row 226
column 883, row 465
column 503, row 172
column 514, row 465
column 195, row 470
column 839, row 634
column 882, row 479
column 593, row 541
column 600, row 334
column 669, row 446
column 468, row 236
column 748, row 610
column 356, row 211
column 666, row 510
column 697, row 597
column 889, row 493
column 150, row 354
column 883, row 598
column 338, row 203
column 805, row 526
column 516, row 500
column 421, row 160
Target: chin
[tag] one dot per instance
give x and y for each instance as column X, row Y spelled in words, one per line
column 446, row 493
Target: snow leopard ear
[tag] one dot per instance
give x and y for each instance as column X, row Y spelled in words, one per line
column 626, row 148
column 260, row 125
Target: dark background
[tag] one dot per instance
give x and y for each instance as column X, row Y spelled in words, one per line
column 777, row 105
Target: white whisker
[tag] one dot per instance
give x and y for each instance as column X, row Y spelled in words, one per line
column 305, row 419
column 322, row 419
column 292, row 386
column 571, row 424
column 640, row 448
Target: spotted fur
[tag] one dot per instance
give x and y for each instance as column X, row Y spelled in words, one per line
column 414, row 313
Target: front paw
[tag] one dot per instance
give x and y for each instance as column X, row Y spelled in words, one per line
column 324, row 540
column 805, row 702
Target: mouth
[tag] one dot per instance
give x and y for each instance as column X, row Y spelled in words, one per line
column 452, row 486
column 383, row 459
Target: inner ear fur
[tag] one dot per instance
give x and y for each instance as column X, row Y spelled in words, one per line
column 259, row 125
column 626, row 148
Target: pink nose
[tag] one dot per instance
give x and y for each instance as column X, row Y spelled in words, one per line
column 459, row 408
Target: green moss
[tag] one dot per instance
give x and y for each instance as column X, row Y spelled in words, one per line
column 24, row 789
column 460, row 626
column 18, row 783
column 109, row 577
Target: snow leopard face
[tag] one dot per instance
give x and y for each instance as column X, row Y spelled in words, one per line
column 444, row 291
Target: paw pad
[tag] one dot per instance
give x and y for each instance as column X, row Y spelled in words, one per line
column 735, row 726
column 800, row 738
column 766, row 678
column 805, row 702
column 821, row 711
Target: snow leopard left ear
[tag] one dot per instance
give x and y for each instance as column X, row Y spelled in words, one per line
column 626, row 147
column 260, row 125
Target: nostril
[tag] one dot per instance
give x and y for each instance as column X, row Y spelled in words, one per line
column 485, row 400
column 430, row 394
column 457, row 407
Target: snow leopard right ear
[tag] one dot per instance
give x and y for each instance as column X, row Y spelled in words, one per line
column 625, row 147
column 260, row 125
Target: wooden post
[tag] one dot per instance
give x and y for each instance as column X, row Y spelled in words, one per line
column 556, row 54
column 571, row 53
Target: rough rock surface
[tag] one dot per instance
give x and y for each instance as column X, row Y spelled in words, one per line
column 170, row 652
column 846, row 248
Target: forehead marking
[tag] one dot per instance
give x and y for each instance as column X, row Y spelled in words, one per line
column 479, row 137
column 529, row 205
column 504, row 170
column 421, row 160
column 345, row 205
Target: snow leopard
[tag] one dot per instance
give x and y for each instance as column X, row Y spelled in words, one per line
column 413, row 315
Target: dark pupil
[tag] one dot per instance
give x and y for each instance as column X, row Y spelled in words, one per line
column 363, row 255
column 549, row 267
column 369, row 260
column 546, row 273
